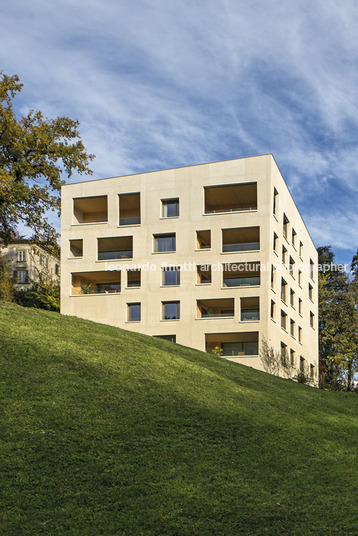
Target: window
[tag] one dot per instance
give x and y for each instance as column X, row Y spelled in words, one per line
column 292, row 297
column 275, row 242
column 284, row 255
column 230, row 198
column 90, row 209
column 57, row 269
column 283, row 290
column 294, row 236
column 22, row 277
column 76, row 248
column 301, row 250
column 273, row 276
column 43, row 260
column 241, row 239
column 302, row 364
column 171, row 276
column 203, row 239
column 118, row 247
column 215, row 308
column 299, row 277
column 300, row 306
column 299, row 334
column 291, row 267
column 133, row 278
column 250, row 309
column 21, row 256
column 273, row 309
column 275, row 201
column 170, row 338
column 104, row 282
column 292, row 327
column 312, row 372
column 283, row 353
column 283, row 320
column 239, row 348
column 311, row 319
column 164, row 243
column 129, row 209
column 241, row 274
column 292, row 357
column 171, row 310
column 311, row 268
column 203, row 274
column 170, row 208
column 134, row 312
column 286, row 221
column 310, row 291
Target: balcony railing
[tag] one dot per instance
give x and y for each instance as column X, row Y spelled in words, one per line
column 248, row 246
column 241, row 281
column 250, row 315
column 110, row 255
column 221, row 314
column 227, row 209
column 129, row 221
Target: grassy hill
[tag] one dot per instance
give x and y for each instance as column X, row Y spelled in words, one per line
column 106, row 432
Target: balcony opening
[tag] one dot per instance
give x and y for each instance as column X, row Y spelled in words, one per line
column 96, row 283
column 250, row 309
column 90, row 209
column 241, row 239
column 171, row 310
column 119, row 247
column 215, row 308
column 133, row 278
column 170, row 338
column 129, row 209
column 164, row 243
column 76, row 248
column 230, row 198
column 204, row 274
column 233, row 344
column 170, row 208
column 203, row 239
column 241, row 274
column 171, row 276
column 133, row 312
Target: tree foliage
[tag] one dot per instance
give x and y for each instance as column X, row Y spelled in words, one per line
column 6, row 280
column 43, row 294
column 338, row 322
column 35, row 153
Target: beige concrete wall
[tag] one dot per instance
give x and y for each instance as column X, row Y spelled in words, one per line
column 188, row 185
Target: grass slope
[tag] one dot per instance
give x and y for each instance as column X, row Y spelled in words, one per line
column 106, row 432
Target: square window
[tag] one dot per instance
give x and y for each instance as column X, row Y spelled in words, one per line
column 164, row 243
column 170, row 208
column 171, row 310
column 171, row 276
column 133, row 278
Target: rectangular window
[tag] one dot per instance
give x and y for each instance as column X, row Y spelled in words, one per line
column 129, row 209
column 294, row 236
column 311, row 268
column 291, row 267
column 312, row 372
column 215, row 308
column 239, row 348
column 203, row 274
column 292, row 297
column 299, row 277
column 57, row 269
column 118, row 247
column 134, row 312
column 171, row 276
column 170, row 338
column 311, row 319
column 250, row 309
column 283, row 290
column 284, row 255
column 286, row 221
column 164, row 243
column 203, row 239
column 310, row 291
column 90, row 209
column 284, row 353
column 22, row 277
column 241, row 239
column 300, row 306
column 230, row 198
column 283, row 320
column 275, row 201
column 301, row 250
column 299, row 334
column 273, row 276
column 43, row 260
column 76, row 248
column 133, row 278
column 302, row 364
column 292, row 357
column 273, row 308
column 292, row 327
column 275, row 242
column 21, row 256
column 171, row 310
column 170, row 208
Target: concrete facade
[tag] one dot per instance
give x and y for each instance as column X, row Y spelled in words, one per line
column 28, row 260
column 237, row 217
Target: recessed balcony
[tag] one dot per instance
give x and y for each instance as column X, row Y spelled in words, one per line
column 215, row 308
column 241, row 274
column 233, row 344
column 90, row 209
column 129, row 209
column 96, row 283
column 249, row 309
column 115, row 248
column 241, row 239
column 230, row 198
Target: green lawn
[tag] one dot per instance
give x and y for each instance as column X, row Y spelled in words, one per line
column 106, row 432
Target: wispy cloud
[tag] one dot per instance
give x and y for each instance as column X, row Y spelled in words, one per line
column 161, row 84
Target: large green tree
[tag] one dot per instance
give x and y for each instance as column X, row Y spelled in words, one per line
column 36, row 153
column 338, row 321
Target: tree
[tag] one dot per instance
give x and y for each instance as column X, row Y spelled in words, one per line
column 6, row 280
column 35, row 152
column 338, row 323
column 43, row 294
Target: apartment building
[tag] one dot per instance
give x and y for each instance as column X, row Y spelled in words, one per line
column 28, row 260
column 213, row 256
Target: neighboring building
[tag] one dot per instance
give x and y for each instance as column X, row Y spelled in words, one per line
column 244, row 265
column 27, row 260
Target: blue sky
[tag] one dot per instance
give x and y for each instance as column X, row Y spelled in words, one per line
column 163, row 84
